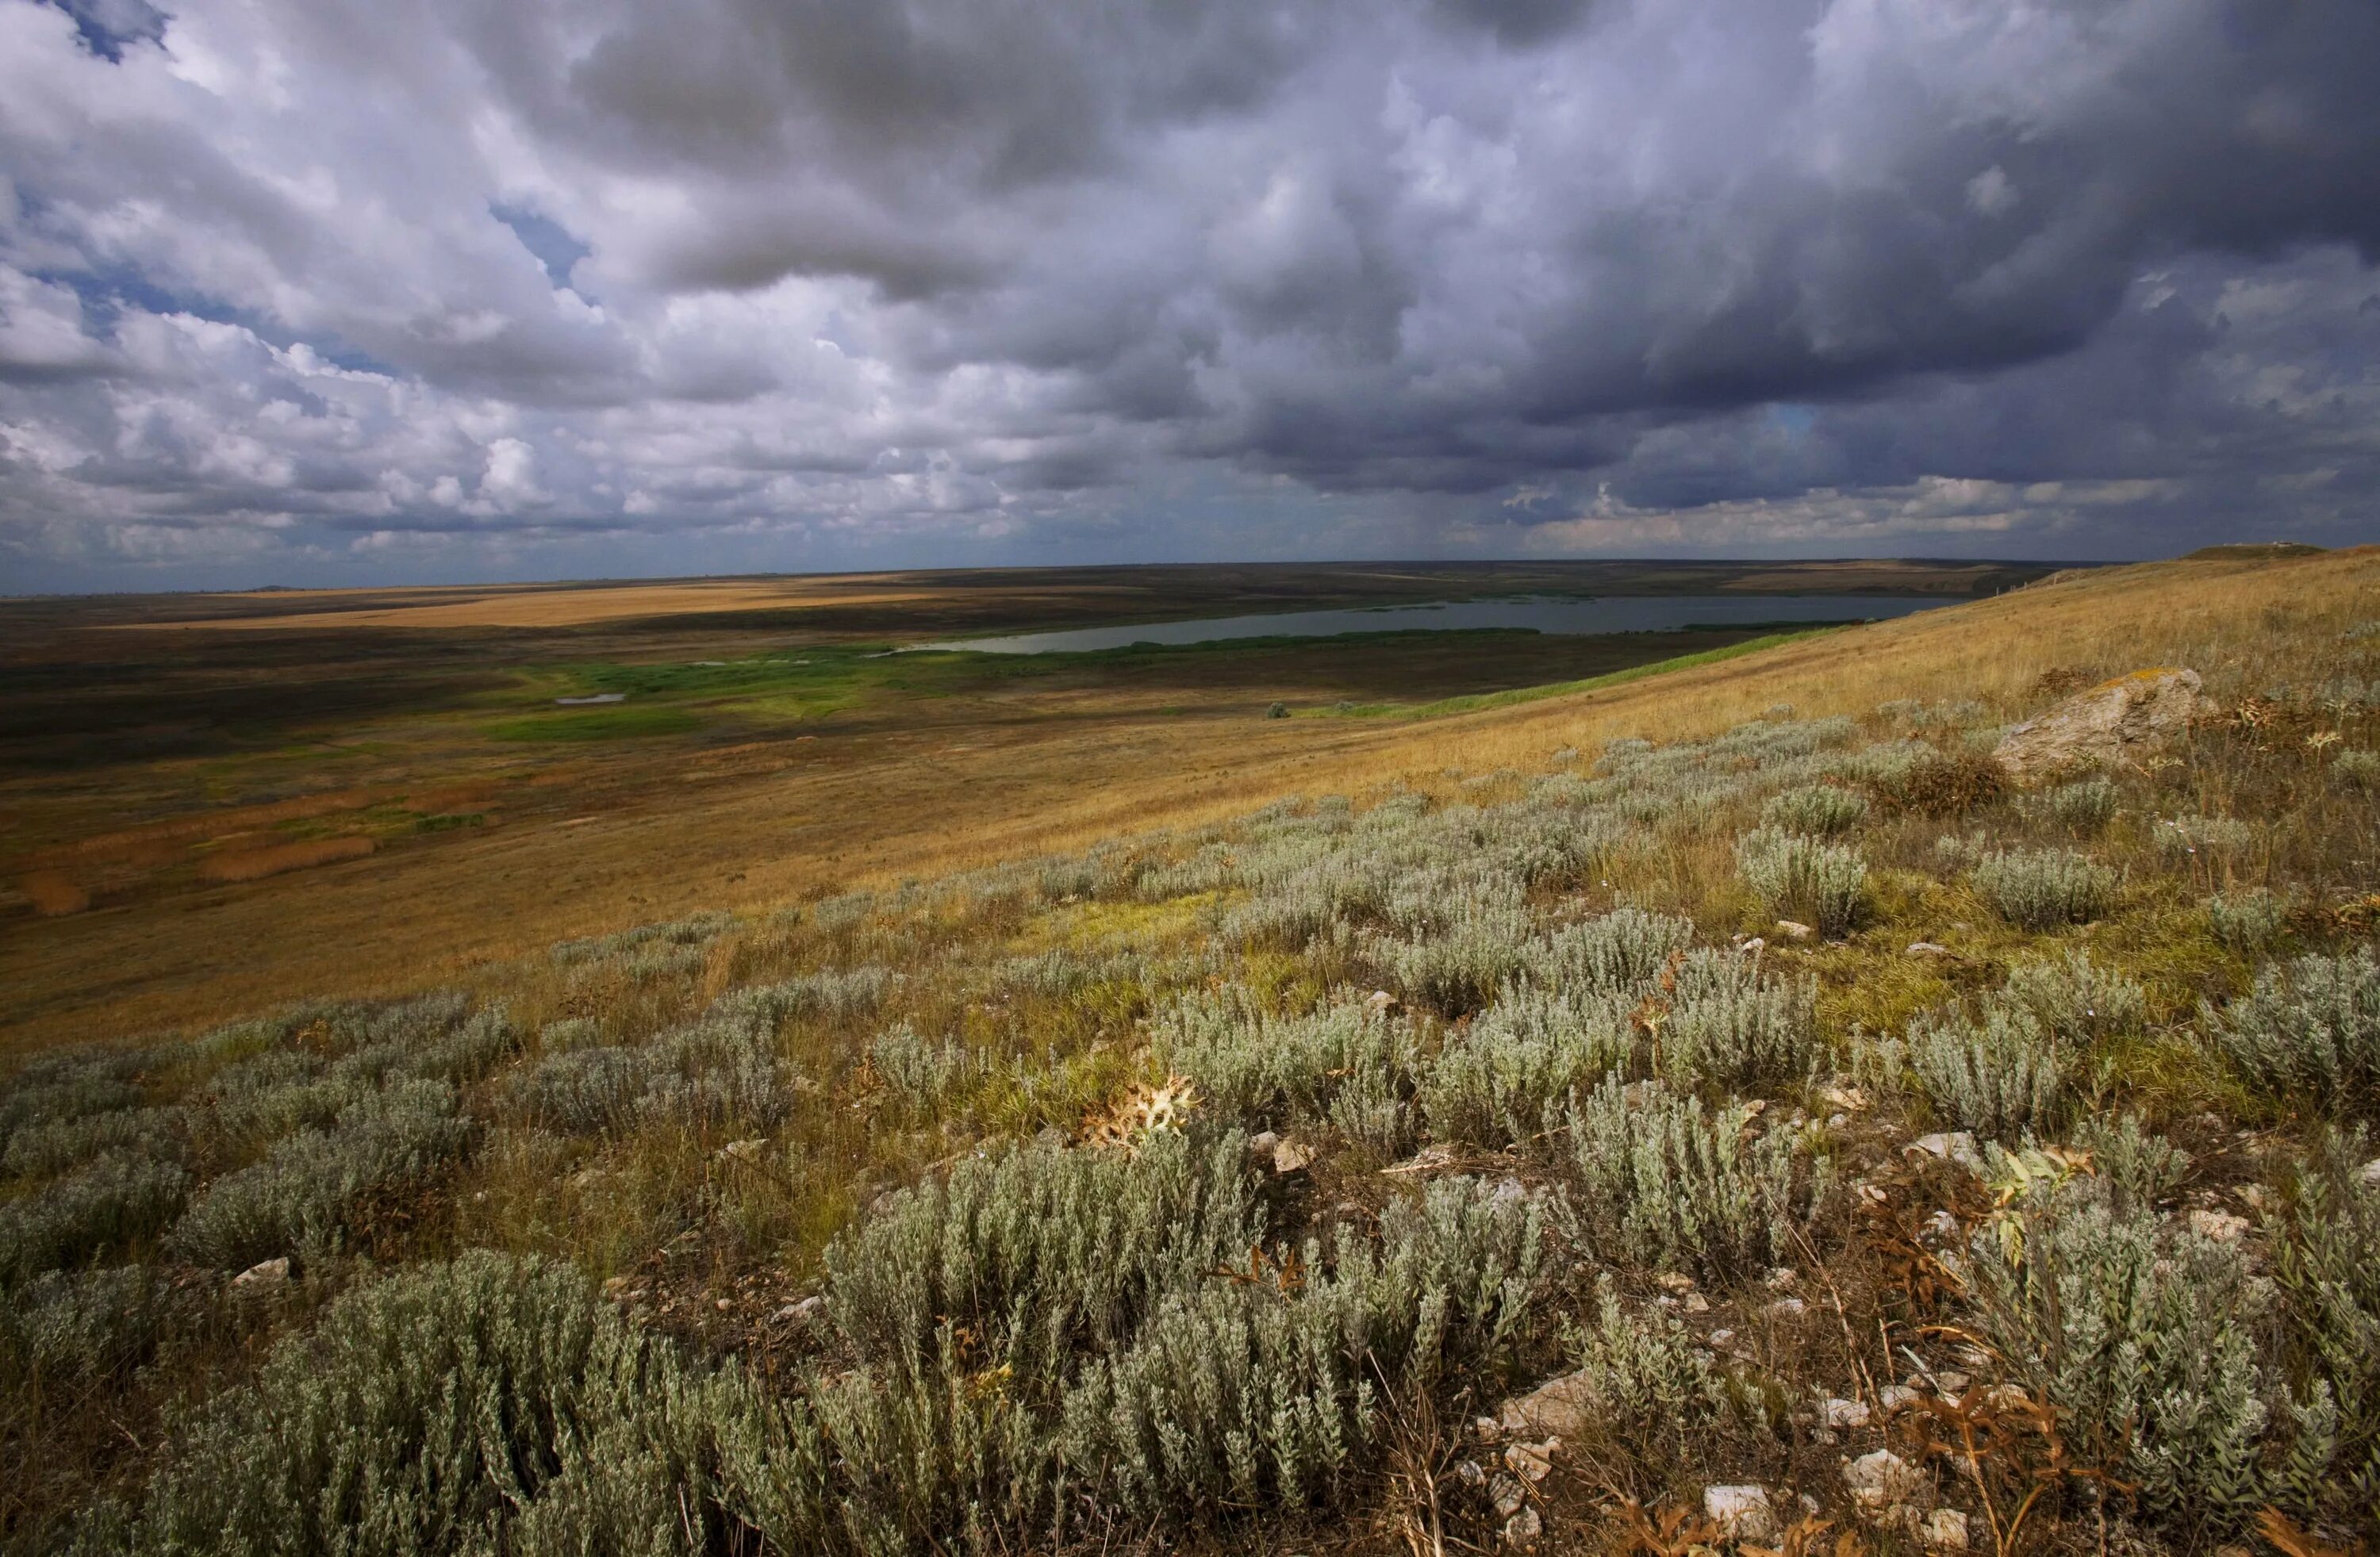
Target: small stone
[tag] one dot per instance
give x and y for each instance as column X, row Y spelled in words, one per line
column 809, row 1310
column 1505, row 1491
column 1788, row 1308
column 1291, row 1157
column 1563, row 1407
column 1676, row 1281
column 1756, row 944
column 1796, row 929
column 1470, row 1474
column 1880, row 1480
column 1722, row 1337
column 1487, row 1426
column 1946, row 1528
column 1782, row 1279
column 744, row 1151
column 1928, row 948
column 1850, row 1099
column 1696, row 1303
column 1262, row 1145
column 1381, row 1000
column 2258, row 1199
column 1951, row 1383
column 264, row 1273
column 1943, row 1224
column 615, row 1287
column 1837, row 1121
column 1530, row 1462
column 1523, row 1529
column 1741, row 1513
column 2219, row 1226
column 2370, row 1172
column 1896, row 1397
column 725, row 1305
column 1956, row 1146
column 1840, row 1413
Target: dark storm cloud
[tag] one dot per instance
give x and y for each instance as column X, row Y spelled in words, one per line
column 1240, row 276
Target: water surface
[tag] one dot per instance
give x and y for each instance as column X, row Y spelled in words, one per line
column 1536, row 613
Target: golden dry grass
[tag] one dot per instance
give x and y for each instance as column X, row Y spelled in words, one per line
column 748, row 826
column 279, row 858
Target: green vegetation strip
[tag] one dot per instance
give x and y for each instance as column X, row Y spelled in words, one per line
column 1476, row 701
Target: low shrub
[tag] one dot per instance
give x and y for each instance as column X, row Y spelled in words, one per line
column 1654, row 1385
column 2328, row 1266
column 1666, row 1181
column 1942, row 783
column 43, row 1149
column 105, row 1205
column 1263, row 1070
column 1816, row 810
column 2357, row 772
column 2041, row 890
column 1623, row 951
column 1826, row 882
column 580, row 1091
column 487, row 1405
column 1998, row 1077
column 2247, row 921
column 1457, row 968
column 2075, row 1000
column 2309, row 1029
column 1723, row 1019
column 1491, row 1082
column 2141, row 1334
column 2085, row 806
column 309, row 1190
column 2139, row 1168
column 81, row 1328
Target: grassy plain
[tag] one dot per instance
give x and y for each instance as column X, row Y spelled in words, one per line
column 764, row 750
column 923, row 1200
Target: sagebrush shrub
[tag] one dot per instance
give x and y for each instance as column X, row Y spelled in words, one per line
column 1457, row 968
column 2327, row 1265
column 2075, row 1000
column 1621, row 951
column 2141, row 1169
column 1236, row 1396
column 2357, row 771
column 40, row 1150
column 1653, row 1382
column 82, row 1327
column 1265, row 1070
column 1802, row 875
column 1490, row 1084
column 1665, row 1181
column 2140, row 1334
column 1997, row 1077
column 2247, row 921
column 1935, row 782
column 2041, row 890
column 106, row 1205
column 490, row 1404
column 1728, row 1022
column 307, row 1191
column 2309, row 1027
column 1817, row 810
column 2084, row 806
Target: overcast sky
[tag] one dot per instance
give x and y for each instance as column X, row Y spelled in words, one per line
column 320, row 291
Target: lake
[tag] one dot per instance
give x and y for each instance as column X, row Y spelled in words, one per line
column 1610, row 614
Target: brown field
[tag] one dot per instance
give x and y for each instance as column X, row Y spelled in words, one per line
column 486, row 849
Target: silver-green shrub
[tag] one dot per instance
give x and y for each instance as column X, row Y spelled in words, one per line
column 1728, row 1022
column 921, row 1077
column 1652, row 1383
column 580, row 1091
column 2075, row 1000
column 1491, row 1082
column 1247, row 1395
column 1795, row 873
column 81, row 1327
column 40, row 1150
column 487, row 1405
column 1665, row 1181
column 2141, row 1333
column 2328, row 1266
column 2357, row 771
column 1621, row 952
column 1997, row 1077
column 307, row 1191
column 1457, row 966
column 2041, row 890
column 2247, row 921
column 2084, row 806
column 2309, row 1027
column 1264, row 1070
column 111, row 1202
column 2139, row 1168
column 1816, row 810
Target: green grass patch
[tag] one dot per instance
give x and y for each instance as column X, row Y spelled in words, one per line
column 596, row 724
column 1475, row 702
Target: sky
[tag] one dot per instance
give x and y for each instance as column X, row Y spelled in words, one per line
column 316, row 292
